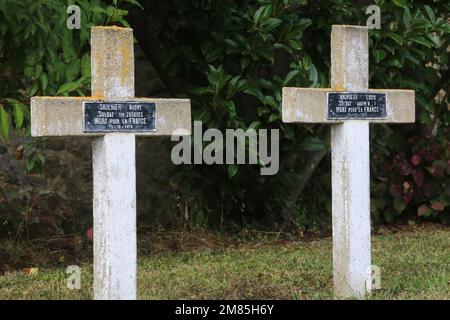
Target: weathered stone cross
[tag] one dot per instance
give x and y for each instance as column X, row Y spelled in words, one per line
column 349, row 106
column 113, row 116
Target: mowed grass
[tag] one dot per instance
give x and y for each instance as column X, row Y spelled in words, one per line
column 414, row 265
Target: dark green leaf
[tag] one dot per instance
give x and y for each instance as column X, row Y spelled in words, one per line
column 68, row 88
column 273, row 117
column 395, row 37
column 312, row 144
column 4, row 123
column 430, row 13
column 232, row 170
column 399, row 204
column 18, row 114
column 401, row 3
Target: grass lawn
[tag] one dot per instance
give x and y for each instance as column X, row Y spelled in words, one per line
column 414, row 265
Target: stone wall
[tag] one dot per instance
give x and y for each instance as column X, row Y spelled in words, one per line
column 60, row 199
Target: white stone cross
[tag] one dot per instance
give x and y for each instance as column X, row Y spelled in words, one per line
column 349, row 106
column 113, row 150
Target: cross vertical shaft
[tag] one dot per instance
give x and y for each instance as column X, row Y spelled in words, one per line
column 350, row 168
column 114, row 170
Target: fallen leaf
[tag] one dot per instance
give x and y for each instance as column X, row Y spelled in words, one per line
column 30, row 271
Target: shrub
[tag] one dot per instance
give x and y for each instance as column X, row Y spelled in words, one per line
column 39, row 55
column 233, row 57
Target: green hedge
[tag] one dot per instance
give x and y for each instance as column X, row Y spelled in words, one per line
column 232, row 58
column 235, row 57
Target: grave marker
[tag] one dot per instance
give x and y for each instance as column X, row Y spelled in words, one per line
column 113, row 117
column 349, row 106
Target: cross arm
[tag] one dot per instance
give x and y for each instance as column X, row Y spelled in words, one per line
column 309, row 105
column 63, row 116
